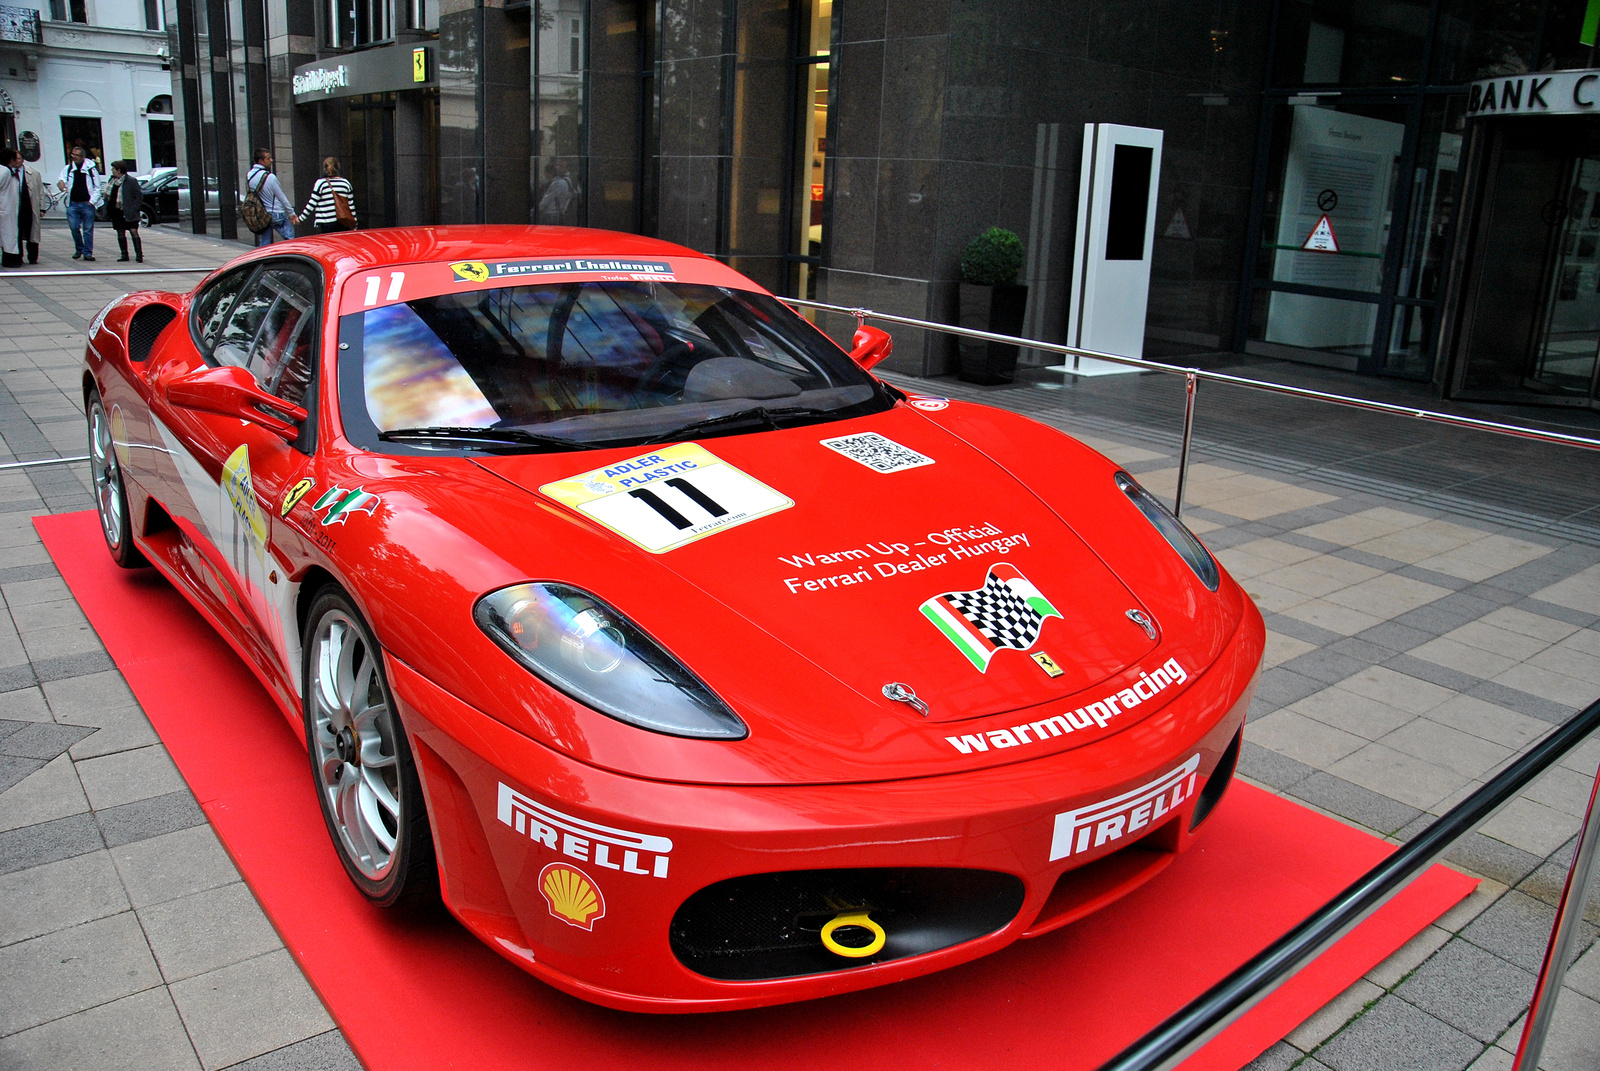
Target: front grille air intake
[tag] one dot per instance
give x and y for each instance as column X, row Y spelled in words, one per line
column 770, row 925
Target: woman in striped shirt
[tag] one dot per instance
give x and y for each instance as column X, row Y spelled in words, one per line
column 321, row 209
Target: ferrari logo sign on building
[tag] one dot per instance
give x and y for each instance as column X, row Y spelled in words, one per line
column 667, row 498
column 1007, row 611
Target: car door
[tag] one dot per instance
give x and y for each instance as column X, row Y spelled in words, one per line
column 233, row 472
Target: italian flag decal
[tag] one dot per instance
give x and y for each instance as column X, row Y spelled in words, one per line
column 1007, row 611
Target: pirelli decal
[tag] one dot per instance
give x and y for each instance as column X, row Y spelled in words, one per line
column 614, row 849
column 1110, row 820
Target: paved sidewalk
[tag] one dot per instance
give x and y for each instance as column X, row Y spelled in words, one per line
column 1432, row 597
column 127, row 939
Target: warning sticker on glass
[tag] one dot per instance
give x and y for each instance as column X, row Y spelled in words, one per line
column 667, row 498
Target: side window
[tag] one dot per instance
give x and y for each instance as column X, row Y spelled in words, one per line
column 232, row 344
column 282, row 358
column 212, row 308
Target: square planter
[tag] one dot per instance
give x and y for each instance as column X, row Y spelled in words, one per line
column 990, row 308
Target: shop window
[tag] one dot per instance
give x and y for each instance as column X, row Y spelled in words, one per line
column 1484, row 38
column 1316, row 330
column 1334, row 170
column 356, row 23
column 1350, row 42
column 422, row 15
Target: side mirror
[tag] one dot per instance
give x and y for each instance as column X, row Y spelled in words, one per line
column 231, row 391
column 871, row 346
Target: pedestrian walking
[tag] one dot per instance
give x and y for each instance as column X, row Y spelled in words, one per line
column 10, row 207
column 558, row 205
column 32, row 211
column 325, row 207
column 123, row 200
column 84, row 189
column 264, row 184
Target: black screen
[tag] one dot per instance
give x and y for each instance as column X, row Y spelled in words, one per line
column 1130, row 201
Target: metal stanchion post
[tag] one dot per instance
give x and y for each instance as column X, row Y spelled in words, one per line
column 1191, row 384
column 1542, row 1008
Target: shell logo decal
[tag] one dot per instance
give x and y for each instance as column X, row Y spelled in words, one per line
column 572, row 897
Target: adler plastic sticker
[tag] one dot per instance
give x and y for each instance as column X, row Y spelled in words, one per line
column 668, row 498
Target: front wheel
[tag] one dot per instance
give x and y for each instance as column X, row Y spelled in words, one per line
column 110, row 495
column 360, row 760
column 146, row 218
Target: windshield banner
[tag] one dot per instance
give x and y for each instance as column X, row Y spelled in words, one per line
column 389, row 285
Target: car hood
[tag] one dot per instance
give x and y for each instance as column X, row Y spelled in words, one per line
column 822, row 581
column 948, row 577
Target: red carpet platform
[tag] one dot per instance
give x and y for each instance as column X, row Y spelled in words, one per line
column 411, row 994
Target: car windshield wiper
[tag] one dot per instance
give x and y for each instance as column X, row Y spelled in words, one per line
column 758, row 414
column 512, row 436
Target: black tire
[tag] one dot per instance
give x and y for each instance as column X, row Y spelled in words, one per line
column 146, row 219
column 388, row 854
column 110, row 493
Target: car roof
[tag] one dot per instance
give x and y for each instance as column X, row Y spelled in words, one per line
column 353, row 251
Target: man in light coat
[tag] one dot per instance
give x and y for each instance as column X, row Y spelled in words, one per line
column 10, row 205
column 28, row 234
column 84, row 188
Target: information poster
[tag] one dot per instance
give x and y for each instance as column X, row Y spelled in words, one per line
column 1340, row 166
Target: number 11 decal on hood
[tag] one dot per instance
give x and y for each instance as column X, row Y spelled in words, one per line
column 665, row 499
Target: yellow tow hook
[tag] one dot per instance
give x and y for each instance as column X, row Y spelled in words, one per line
column 853, row 917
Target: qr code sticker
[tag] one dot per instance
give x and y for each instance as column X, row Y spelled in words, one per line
column 876, row 452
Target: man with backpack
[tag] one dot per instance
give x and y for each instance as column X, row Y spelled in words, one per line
column 266, row 207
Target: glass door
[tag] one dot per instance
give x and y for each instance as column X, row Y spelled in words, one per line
column 1530, row 321
column 1356, row 223
column 1565, row 350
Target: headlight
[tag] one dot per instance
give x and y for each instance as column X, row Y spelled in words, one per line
column 1183, row 541
column 586, row 649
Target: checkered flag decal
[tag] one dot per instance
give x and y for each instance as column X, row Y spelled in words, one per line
column 1006, row 612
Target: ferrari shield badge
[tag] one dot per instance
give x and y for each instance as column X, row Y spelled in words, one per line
column 666, row 499
column 293, row 496
column 1007, row 611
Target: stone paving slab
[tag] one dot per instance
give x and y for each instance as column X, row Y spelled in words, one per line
column 1432, row 611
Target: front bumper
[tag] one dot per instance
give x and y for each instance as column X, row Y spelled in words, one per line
column 579, row 875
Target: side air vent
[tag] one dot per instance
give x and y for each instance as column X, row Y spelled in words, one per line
column 147, row 325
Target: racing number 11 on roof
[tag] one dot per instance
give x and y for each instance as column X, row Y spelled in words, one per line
column 396, row 280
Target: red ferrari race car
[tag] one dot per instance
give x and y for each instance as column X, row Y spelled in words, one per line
column 693, row 666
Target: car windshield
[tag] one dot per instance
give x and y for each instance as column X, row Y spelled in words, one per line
column 591, row 363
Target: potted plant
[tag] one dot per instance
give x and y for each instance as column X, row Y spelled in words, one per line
column 991, row 300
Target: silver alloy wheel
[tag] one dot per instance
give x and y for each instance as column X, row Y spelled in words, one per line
column 353, row 734
column 107, row 475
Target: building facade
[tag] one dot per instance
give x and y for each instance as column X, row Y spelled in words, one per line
column 91, row 73
column 849, row 149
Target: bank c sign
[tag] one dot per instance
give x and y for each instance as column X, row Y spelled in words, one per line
column 1555, row 93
